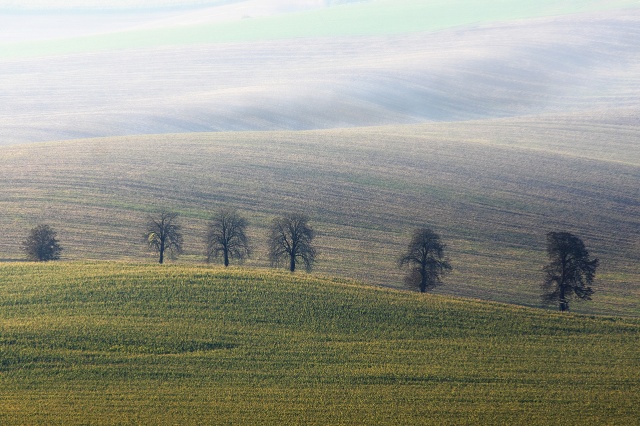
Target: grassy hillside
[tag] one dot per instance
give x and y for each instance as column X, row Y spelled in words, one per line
column 492, row 190
column 116, row 343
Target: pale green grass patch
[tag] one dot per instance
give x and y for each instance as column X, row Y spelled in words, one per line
column 359, row 19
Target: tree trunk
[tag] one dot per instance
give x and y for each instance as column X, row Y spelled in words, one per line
column 292, row 263
column 423, row 279
column 161, row 251
column 226, row 257
column 564, row 305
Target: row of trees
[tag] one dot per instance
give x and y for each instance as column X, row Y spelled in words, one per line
column 290, row 239
column 569, row 273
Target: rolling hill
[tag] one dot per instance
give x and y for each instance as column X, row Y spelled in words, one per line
column 124, row 343
column 78, row 74
column 491, row 188
column 492, row 122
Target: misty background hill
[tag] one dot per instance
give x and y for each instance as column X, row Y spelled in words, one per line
column 88, row 69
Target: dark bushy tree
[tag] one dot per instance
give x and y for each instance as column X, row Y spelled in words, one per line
column 163, row 233
column 227, row 236
column 290, row 241
column 570, row 272
column 41, row 245
column 426, row 261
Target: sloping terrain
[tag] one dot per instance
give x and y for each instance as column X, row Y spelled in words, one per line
column 491, row 188
column 361, row 64
column 499, row 124
column 112, row 343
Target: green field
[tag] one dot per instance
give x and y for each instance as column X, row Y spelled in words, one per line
column 123, row 343
column 492, row 189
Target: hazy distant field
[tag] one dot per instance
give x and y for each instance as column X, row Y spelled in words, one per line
column 132, row 344
column 491, row 188
column 301, row 65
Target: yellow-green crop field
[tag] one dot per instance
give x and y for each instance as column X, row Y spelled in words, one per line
column 125, row 343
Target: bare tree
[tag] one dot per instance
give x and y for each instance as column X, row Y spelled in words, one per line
column 163, row 233
column 425, row 258
column 290, row 240
column 570, row 272
column 41, row 244
column 226, row 236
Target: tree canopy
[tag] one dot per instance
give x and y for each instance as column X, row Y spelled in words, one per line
column 41, row 244
column 291, row 241
column 226, row 236
column 426, row 260
column 569, row 273
column 164, row 233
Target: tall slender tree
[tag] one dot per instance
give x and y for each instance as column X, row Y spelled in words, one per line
column 227, row 236
column 569, row 272
column 426, row 260
column 291, row 240
column 163, row 233
column 41, row 244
